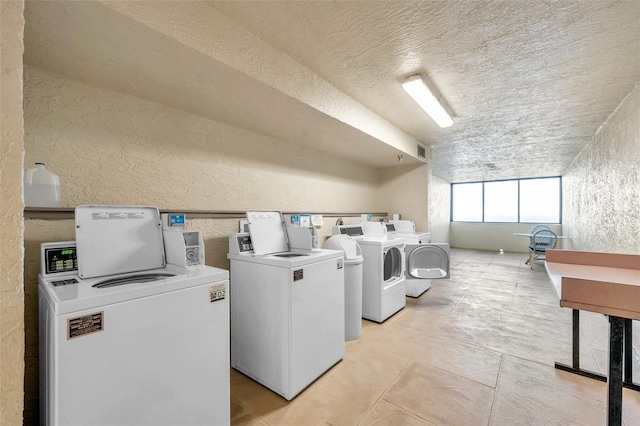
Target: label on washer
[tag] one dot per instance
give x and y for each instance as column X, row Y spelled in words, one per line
column 217, row 292
column 81, row 326
column 298, row 275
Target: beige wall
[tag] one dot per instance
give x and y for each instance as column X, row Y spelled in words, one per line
column 496, row 236
column 403, row 189
column 439, row 209
column 601, row 188
column 11, row 224
column 112, row 148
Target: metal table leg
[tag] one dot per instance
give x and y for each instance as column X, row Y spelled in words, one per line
column 628, row 347
column 575, row 367
column 628, row 356
column 627, row 336
column 614, row 399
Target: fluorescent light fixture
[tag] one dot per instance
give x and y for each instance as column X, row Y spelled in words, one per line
column 420, row 93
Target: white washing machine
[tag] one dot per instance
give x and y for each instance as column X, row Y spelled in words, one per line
column 149, row 347
column 407, row 229
column 425, row 261
column 287, row 307
column 383, row 271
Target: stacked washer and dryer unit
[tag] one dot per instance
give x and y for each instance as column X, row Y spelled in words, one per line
column 126, row 338
column 425, row 261
column 287, row 305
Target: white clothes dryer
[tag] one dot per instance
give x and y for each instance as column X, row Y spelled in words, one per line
column 383, row 277
column 145, row 347
column 425, row 261
column 287, row 307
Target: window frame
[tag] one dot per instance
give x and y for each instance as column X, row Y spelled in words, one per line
column 504, row 180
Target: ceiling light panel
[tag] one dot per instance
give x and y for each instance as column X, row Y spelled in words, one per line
column 418, row 90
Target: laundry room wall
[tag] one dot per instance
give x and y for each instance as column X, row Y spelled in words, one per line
column 11, row 224
column 439, row 209
column 403, row 189
column 111, row 148
column 601, row 202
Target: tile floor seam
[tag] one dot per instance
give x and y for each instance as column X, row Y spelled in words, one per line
column 384, row 392
column 505, row 353
column 430, row 366
column 552, row 367
column 550, row 322
column 260, row 419
column 470, row 344
column 525, row 314
column 420, row 329
column 584, row 342
column 559, row 340
column 453, row 373
column 495, row 392
column 409, row 412
column 539, row 304
column 290, row 403
column 556, row 340
column 245, row 410
column 515, row 290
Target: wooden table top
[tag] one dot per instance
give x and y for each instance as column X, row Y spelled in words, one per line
column 606, row 283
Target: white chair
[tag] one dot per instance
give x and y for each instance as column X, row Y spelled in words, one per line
column 539, row 228
column 539, row 243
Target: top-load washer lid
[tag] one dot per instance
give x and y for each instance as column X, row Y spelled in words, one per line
column 268, row 234
column 118, row 240
column 403, row 225
column 374, row 229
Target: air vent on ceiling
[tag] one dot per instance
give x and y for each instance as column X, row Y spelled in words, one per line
column 422, row 152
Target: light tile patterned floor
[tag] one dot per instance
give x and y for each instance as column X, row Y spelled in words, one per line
column 477, row 349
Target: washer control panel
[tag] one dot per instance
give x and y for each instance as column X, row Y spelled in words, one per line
column 352, row 231
column 58, row 259
column 240, row 243
column 173, row 221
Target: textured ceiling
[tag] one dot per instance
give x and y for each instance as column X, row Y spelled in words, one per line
column 527, row 82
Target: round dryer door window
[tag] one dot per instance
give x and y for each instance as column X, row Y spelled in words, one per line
column 392, row 264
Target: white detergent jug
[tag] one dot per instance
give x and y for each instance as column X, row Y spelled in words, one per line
column 41, row 187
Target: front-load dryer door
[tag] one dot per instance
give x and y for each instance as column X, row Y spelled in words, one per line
column 428, row 261
column 392, row 268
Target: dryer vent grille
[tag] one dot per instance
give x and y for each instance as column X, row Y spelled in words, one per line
column 422, row 153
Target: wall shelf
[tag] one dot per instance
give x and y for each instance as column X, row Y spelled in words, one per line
column 63, row 213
